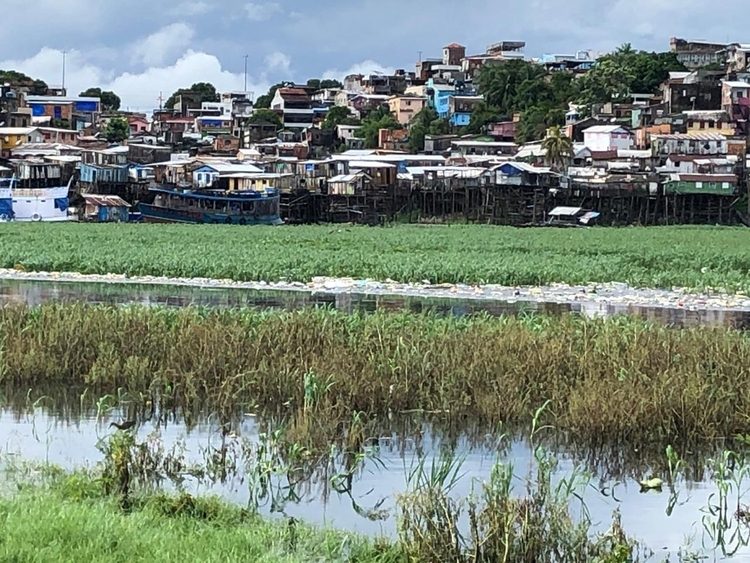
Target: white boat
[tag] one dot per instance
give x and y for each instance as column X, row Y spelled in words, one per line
column 34, row 204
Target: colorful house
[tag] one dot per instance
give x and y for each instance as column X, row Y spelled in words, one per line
column 706, row 184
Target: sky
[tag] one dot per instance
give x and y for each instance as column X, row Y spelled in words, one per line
column 142, row 49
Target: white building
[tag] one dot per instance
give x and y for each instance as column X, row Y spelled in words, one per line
column 602, row 138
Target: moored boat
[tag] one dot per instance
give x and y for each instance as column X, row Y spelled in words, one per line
column 212, row 207
column 35, row 204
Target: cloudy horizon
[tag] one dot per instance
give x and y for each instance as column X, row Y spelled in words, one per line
column 142, row 49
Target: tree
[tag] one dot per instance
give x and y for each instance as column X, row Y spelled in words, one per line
column 14, row 78
column 324, row 84
column 338, row 115
column 558, row 146
column 270, row 116
column 480, row 117
column 329, row 83
column 265, row 100
column 117, row 130
column 514, row 86
column 201, row 91
column 110, row 100
column 376, row 119
column 426, row 122
column 536, row 120
column 624, row 72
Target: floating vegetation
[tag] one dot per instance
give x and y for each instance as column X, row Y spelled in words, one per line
column 696, row 257
column 614, row 380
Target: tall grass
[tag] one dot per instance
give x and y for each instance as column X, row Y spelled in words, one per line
column 659, row 256
column 605, row 380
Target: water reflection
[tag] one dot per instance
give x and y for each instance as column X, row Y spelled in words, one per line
column 37, row 292
column 65, row 432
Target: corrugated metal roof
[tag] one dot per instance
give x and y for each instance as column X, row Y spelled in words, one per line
column 346, row 178
column 605, row 129
column 105, row 200
column 691, row 137
column 370, row 164
column 704, row 177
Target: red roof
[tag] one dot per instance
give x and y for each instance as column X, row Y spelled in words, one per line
column 603, row 155
column 731, row 178
column 454, row 46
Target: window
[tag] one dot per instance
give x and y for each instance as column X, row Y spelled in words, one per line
column 713, row 185
column 699, row 185
column 726, row 185
column 682, row 185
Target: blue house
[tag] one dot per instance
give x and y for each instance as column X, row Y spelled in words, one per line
column 460, row 108
column 438, row 96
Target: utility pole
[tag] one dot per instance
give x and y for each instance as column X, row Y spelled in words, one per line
column 63, row 69
column 246, row 57
column 420, row 56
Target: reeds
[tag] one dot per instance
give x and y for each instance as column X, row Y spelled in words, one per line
column 608, row 380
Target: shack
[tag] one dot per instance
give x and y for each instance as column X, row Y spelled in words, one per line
column 572, row 217
column 104, row 209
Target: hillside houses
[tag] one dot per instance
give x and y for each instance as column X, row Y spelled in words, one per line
column 378, row 146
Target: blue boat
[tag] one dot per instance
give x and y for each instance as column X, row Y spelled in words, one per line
column 212, row 207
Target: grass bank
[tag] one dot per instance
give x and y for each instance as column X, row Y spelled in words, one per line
column 51, row 525
column 694, row 257
column 618, row 379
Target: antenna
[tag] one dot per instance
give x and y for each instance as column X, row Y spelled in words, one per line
column 63, row 69
column 420, row 56
column 161, row 100
column 246, row 57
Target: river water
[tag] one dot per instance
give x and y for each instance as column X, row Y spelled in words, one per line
column 33, row 292
column 49, row 434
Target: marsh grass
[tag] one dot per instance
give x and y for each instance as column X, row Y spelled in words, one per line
column 611, row 380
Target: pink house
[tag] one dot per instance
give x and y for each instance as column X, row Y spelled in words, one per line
column 138, row 125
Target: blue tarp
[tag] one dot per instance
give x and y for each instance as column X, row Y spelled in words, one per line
column 89, row 107
column 37, row 110
column 62, row 203
column 6, row 208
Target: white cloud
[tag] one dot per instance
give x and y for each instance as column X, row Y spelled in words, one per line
column 138, row 91
column 158, row 47
column 192, row 8
column 261, row 12
column 278, row 61
column 47, row 65
column 365, row 67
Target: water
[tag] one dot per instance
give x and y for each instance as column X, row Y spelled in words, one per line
column 33, row 293
column 69, row 439
column 68, row 436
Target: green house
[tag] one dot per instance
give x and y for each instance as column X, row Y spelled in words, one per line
column 708, row 184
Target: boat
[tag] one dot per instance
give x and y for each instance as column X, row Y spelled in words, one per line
column 18, row 203
column 172, row 205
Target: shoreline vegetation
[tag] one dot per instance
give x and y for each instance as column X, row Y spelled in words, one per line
column 660, row 257
column 118, row 509
column 619, row 380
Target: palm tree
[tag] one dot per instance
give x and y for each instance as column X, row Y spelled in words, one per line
column 559, row 147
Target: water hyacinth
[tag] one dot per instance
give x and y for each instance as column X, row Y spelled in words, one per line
column 696, row 257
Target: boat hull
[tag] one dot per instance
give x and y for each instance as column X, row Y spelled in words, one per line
column 153, row 214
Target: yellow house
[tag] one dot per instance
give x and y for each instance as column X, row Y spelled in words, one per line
column 14, row 137
column 259, row 182
column 405, row 108
column 713, row 121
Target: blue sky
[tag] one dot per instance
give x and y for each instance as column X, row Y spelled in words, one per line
column 140, row 48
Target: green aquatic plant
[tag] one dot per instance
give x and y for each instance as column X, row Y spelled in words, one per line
column 696, row 257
